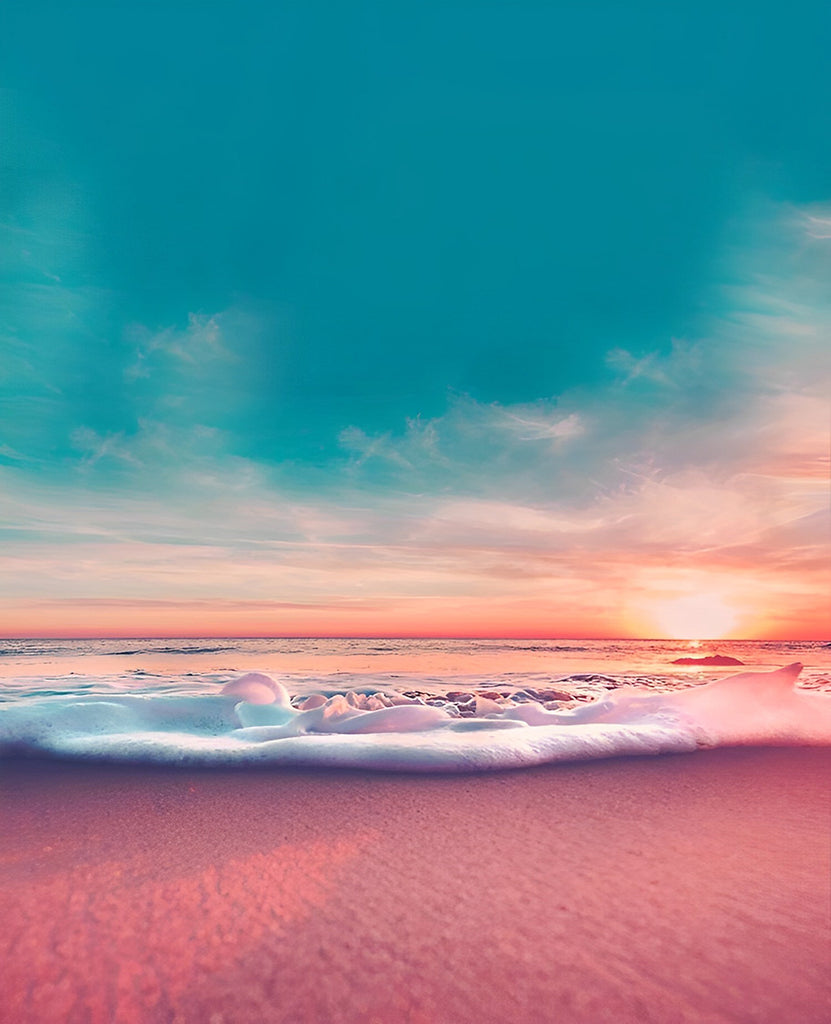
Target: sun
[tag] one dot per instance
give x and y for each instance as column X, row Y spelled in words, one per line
column 699, row 617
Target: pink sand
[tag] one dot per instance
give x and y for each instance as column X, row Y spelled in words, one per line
column 677, row 889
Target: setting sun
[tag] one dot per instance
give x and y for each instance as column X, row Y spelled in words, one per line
column 698, row 617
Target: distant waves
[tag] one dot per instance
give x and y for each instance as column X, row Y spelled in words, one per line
column 170, row 650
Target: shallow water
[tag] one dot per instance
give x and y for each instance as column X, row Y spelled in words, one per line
column 308, row 665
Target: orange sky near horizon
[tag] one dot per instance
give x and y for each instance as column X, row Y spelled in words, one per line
column 402, row 619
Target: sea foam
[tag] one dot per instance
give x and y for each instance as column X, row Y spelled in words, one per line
column 252, row 721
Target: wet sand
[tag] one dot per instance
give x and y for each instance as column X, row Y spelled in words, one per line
column 692, row 888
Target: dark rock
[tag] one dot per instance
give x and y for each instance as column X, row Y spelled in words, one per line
column 556, row 695
column 709, row 659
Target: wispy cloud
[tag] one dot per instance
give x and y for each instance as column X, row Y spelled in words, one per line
column 818, row 227
column 703, row 464
column 199, row 341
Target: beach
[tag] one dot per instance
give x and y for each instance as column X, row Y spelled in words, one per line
column 675, row 888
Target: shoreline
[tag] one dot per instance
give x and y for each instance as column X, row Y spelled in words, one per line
column 671, row 888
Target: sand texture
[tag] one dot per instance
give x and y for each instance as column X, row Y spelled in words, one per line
column 691, row 888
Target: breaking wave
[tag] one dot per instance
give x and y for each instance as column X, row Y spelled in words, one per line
column 254, row 721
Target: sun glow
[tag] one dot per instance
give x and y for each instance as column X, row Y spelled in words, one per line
column 700, row 617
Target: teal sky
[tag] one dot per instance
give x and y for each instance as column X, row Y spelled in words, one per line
column 329, row 272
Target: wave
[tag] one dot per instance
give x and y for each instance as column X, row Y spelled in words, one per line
column 15, row 650
column 172, row 650
column 252, row 721
column 517, row 645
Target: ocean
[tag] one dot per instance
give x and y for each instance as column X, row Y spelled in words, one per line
column 404, row 704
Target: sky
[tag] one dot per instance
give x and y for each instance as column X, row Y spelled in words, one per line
column 380, row 318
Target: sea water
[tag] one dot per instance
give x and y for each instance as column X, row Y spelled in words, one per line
column 415, row 705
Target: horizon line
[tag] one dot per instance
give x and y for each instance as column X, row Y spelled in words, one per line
column 410, row 636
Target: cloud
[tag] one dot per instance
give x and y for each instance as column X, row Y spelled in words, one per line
column 701, row 464
column 818, row 227
column 630, row 368
column 472, row 447
column 363, row 447
column 77, row 383
column 529, row 424
column 200, row 341
column 95, row 447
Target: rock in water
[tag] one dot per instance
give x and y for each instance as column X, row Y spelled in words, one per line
column 709, row 659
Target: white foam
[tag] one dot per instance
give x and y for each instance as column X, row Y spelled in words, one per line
column 362, row 731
